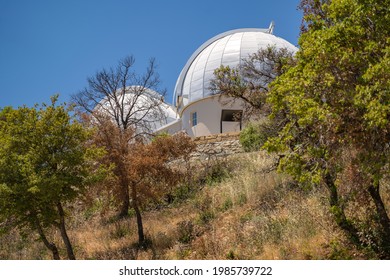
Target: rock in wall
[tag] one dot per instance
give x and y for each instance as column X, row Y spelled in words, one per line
column 214, row 146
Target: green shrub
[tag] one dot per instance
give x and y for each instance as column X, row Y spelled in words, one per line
column 255, row 134
column 242, row 199
column 227, row 204
column 181, row 193
column 205, row 217
column 231, row 255
column 185, row 231
column 217, row 172
column 120, row 230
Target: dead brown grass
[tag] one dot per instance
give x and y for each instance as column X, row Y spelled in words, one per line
column 251, row 213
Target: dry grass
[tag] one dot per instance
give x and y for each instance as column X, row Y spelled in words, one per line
column 251, row 212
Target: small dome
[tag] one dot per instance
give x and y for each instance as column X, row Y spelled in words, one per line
column 147, row 108
column 227, row 49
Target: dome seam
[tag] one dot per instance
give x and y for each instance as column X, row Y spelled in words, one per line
column 240, row 55
column 179, row 84
column 228, row 48
column 224, row 49
column 207, row 62
column 194, row 63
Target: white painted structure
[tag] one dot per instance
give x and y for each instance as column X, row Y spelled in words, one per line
column 143, row 106
column 199, row 111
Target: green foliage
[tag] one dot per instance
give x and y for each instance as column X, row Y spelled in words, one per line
column 242, row 199
column 217, row 172
column 183, row 192
column 44, row 162
column 339, row 251
column 231, row 255
column 338, row 93
column 255, row 135
column 161, row 135
column 249, row 82
column 227, row 204
column 205, row 217
column 251, row 138
column 206, row 209
column 336, row 103
column 120, row 230
column 185, row 231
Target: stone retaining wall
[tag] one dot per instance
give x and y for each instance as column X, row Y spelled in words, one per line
column 219, row 145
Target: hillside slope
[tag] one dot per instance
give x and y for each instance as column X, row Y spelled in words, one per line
column 239, row 208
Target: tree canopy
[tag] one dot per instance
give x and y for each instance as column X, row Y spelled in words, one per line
column 45, row 162
column 249, row 81
column 336, row 103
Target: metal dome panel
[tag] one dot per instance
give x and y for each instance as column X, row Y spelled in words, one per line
column 228, row 49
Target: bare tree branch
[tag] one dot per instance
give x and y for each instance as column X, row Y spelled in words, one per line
column 131, row 100
column 131, row 105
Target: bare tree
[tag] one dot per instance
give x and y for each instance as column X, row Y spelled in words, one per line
column 132, row 102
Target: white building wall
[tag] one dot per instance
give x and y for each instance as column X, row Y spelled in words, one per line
column 209, row 112
column 231, row 127
column 170, row 128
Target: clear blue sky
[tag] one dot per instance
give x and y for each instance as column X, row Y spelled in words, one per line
column 52, row 46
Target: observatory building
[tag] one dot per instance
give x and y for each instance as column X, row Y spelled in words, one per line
column 199, row 111
column 196, row 109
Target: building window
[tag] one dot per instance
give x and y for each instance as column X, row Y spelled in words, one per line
column 231, row 115
column 231, row 120
column 194, row 118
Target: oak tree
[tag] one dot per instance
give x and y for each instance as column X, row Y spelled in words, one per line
column 45, row 164
column 336, row 102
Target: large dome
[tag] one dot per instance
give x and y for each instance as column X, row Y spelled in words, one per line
column 227, row 49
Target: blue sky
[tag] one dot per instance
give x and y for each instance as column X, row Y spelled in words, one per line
column 52, row 46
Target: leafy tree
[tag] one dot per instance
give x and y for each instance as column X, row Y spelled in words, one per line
column 336, row 103
column 249, row 81
column 255, row 134
column 128, row 100
column 314, row 11
column 44, row 165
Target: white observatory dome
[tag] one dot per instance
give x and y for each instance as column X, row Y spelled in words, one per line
column 145, row 108
column 228, row 49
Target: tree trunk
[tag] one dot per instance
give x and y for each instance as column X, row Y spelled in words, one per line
column 141, row 236
column 383, row 218
column 64, row 234
column 125, row 199
column 338, row 211
column 51, row 246
column 125, row 203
